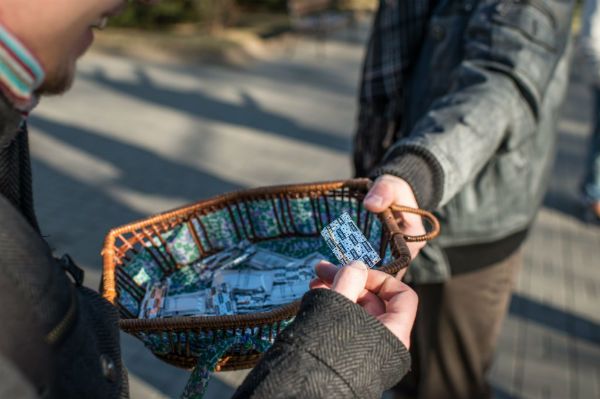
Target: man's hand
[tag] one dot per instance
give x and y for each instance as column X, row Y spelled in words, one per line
column 391, row 190
column 389, row 300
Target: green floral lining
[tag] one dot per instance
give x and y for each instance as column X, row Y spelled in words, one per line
column 288, row 227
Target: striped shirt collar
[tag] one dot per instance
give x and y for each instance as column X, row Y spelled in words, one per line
column 20, row 73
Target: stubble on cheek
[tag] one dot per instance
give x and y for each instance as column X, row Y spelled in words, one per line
column 58, row 79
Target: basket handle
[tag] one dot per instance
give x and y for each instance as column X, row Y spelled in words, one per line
column 430, row 217
column 399, row 239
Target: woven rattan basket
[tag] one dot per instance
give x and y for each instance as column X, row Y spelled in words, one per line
column 274, row 216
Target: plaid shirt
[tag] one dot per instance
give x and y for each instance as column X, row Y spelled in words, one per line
column 394, row 45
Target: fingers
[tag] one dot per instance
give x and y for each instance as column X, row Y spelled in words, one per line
column 318, row 283
column 326, row 271
column 404, row 302
column 400, row 314
column 401, row 304
column 377, row 282
column 381, row 195
column 367, row 300
column 400, row 275
column 371, row 303
column 350, row 280
column 385, row 286
column 390, row 190
column 412, row 225
column 388, row 299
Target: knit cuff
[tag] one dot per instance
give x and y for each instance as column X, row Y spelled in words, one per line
column 420, row 169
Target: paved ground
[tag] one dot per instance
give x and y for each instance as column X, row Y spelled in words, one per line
column 550, row 344
column 136, row 138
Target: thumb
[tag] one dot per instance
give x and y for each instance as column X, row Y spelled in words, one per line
column 350, row 281
column 381, row 196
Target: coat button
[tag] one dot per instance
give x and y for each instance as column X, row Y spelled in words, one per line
column 109, row 370
column 437, row 32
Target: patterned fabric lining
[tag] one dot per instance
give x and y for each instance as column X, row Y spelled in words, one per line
column 177, row 254
column 243, row 342
column 20, row 72
column 290, row 227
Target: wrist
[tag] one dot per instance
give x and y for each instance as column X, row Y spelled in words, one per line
column 419, row 169
column 403, row 191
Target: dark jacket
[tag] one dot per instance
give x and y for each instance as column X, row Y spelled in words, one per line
column 61, row 340
column 475, row 128
column 61, row 337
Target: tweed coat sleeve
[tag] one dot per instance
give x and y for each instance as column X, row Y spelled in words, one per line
column 334, row 349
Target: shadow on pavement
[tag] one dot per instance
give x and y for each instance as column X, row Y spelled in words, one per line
column 500, row 393
column 142, row 170
column 556, row 319
column 196, row 103
column 563, row 194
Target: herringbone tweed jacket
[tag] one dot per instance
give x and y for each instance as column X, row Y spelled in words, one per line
column 334, row 349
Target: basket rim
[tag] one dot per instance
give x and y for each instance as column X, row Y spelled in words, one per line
column 250, row 193
column 212, row 322
column 400, row 253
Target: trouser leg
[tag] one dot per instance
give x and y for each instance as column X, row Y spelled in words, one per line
column 456, row 332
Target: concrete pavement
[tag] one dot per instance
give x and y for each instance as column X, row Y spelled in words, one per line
column 135, row 138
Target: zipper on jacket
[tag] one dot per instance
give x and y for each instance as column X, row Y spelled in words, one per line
column 65, row 324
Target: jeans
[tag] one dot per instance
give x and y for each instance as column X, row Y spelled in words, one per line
column 591, row 186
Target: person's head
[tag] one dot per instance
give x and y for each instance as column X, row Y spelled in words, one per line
column 57, row 32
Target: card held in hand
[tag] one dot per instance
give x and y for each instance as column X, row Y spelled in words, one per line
column 348, row 243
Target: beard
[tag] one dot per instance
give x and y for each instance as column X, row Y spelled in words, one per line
column 57, row 81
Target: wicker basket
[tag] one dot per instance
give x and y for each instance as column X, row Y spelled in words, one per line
column 275, row 216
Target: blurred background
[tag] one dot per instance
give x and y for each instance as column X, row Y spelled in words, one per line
column 193, row 98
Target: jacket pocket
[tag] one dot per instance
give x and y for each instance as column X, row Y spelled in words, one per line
column 497, row 201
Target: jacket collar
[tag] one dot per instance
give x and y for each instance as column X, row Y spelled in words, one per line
column 20, row 72
column 10, row 120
